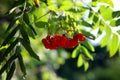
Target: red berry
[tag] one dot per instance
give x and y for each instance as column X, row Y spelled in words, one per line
column 48, row 37
column 57, row 40
column 79, row 37
column 83, row 38
column 63, row 41
column 72, row 43
column 54, row 43
column 46, row 43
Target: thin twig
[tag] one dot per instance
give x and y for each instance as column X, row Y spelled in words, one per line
column 43, row 16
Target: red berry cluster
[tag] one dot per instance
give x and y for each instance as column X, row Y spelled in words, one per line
column 57, row 40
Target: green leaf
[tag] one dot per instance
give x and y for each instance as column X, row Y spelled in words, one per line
column 41, row 24
column 11, row 71
column 75, row 52
column 20, row 59
column 26, row 18
column 4, row 47
column 108, row 2
column 94, row 0
column 88, row 34
column 91, row 14
column 104, row 41
column 10, row 48
column 113, row 45
column 28, row 30
column 66, row 5
column 12, row 23
column 95, row 21
column 85, row 23
column 32, row 28
column 18, row 50
column 88, row 45
column 12, row 45
column 116, row 14
column 31, row 18
column 95, row 18
column 27, row 21
column 86, row 52
column 5, row 67
column 22, row 66
column 86, row 65
column 80, row 61
column 108, row 31
column 118, row 22
column 104, row 12
column 24, row 34
column 93, row 3
column 113, row 23
column 10, row 36
column 29, row 49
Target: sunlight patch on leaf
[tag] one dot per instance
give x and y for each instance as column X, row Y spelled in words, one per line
column 86, row 65
column 80, row 61
column 108, row 2
column 75, row 52
column 105, row 40
column 86, row 52
column 88, row 45
column 104, row 10
column 66, row 5
column 113, row 45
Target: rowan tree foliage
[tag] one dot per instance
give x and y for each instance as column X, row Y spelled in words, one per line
column 61, row 20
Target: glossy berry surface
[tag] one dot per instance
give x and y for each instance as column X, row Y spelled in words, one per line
column 55, row 41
